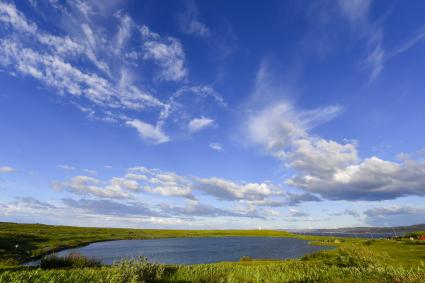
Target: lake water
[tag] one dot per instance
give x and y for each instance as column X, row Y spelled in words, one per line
column 352, row 235
column 196, row 250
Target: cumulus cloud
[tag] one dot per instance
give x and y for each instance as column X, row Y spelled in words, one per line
column 140, row 180
column 230, row 191
column 148, row 132
column 329, row 168
column 371, row 179
column 85, row 185
column 164, row 183
column 198, row 124
column 6, row 169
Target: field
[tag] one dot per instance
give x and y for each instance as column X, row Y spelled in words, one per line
column 353, row 260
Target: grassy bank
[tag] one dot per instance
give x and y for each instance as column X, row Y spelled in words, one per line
column 357, row 265
column 353, row 260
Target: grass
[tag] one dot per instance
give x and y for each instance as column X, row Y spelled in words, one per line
column 349, row 266
column 354, row 260
column 73, row 260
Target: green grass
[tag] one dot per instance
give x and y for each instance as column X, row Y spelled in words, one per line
column 73, row 260
column 353, row 260
column 350, row 266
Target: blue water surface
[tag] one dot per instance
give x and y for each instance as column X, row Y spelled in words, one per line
column 195, row 250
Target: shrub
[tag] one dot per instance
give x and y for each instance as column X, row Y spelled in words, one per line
column 358, row 257
column 246, row 258
column 73, row 260
column 139, row 270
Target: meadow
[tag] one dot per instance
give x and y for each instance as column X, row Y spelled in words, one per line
column 353, row 260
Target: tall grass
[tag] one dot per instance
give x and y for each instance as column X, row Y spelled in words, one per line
column 348, row 266
column 73, row 260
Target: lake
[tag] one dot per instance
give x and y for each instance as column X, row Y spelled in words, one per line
column 351, row 235
column 195, row 250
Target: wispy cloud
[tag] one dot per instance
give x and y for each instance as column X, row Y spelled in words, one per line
column 394, row 215
column 66, row 167
column 418, row 37
column 148, row 132
column 216, row 146
column 198, row 124
column 167, row 52
column 7, row 169
column 189, row 21
column 102, row 79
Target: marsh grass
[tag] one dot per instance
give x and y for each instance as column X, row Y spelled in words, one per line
column 140, row 270
column 73, row 260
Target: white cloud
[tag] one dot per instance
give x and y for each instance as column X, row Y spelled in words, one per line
column 297, row 213
column 418, row 37
column 329, row 168
column 371, row 179
column 11, row 16
column 85, row 185
column 334, row 170
column 66, row 167
column 189, row 21
column 281, row 126
column 6, row 169
column 124, row 31
column 395, row 215
column 55, row 72
column 393, row 210
column 149, row 132
column 231, row 191
column 90, row 171
column 216, row 146
column 377, row 55
column 355, row 10
column 91, row 64
column 198, row 124
column 167, row 52
column 196, row 209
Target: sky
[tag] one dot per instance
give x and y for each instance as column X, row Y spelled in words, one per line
column 212, row 114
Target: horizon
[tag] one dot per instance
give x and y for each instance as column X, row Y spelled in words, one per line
column 212, row 115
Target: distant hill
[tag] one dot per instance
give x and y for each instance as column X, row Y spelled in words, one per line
column 398, row 229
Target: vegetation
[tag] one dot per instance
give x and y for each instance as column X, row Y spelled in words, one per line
column 348, row 266
column 354, row 260
column 73, row 260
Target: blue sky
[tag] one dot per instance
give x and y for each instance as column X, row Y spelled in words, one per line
column 212, row 114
